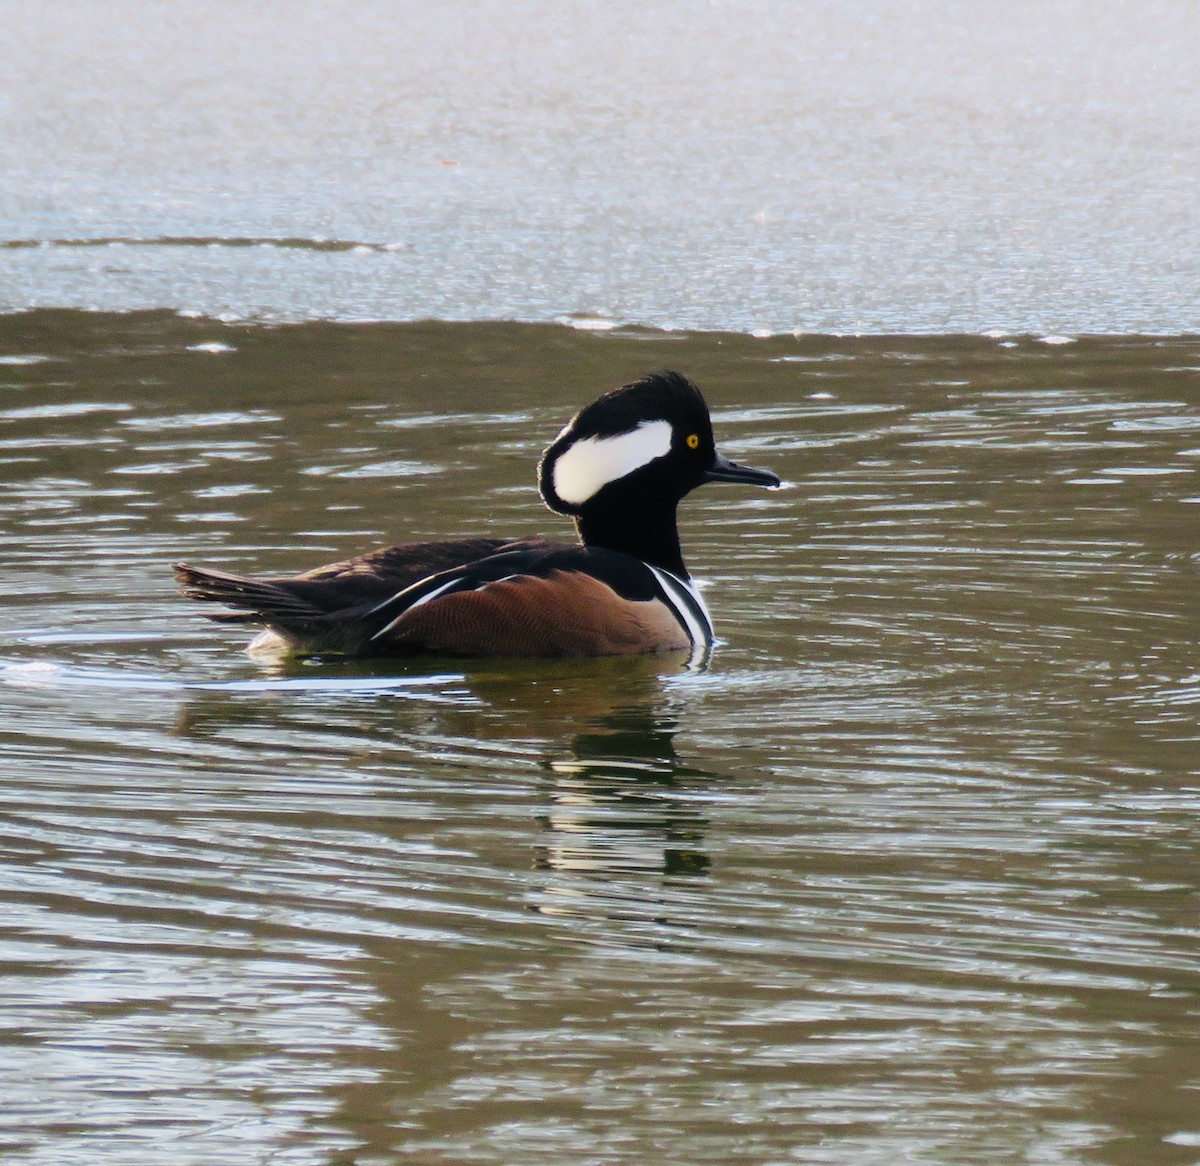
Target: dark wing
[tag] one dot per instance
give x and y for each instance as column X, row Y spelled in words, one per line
column 384, row 572
column 342, row 592
column 483, row 597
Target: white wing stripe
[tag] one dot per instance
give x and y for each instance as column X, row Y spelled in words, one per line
column 413, row 606
column 685, row 601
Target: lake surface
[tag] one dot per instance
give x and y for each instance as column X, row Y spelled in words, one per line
column 907, row 874
column 866, row 165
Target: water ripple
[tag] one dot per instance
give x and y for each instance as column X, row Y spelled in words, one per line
column 907, row 873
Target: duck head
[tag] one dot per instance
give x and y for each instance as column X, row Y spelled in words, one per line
column 622, row 465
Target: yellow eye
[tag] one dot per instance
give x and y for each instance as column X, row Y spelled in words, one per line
column 693, row 441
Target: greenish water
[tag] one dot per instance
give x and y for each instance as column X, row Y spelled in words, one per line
column 908, row 874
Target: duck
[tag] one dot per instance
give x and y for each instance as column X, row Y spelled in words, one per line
column 619, row 469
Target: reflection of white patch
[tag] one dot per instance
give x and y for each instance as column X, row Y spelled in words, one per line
column 592, row 463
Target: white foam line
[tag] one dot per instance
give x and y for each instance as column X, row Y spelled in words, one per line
column 349, row 684
column 42, row 674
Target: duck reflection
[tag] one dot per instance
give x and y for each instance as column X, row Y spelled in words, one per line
column 615, row 806
column 616, row 796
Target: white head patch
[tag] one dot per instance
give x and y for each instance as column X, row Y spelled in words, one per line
column 590, row 464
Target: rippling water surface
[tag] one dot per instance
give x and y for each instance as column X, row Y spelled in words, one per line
column 908, row 874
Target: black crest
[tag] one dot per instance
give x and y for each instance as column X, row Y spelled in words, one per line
column 666, row 396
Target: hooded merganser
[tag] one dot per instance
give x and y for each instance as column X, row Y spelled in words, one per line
column 619, row 468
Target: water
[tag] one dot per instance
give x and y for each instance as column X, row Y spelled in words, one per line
column 908, row 874
column 869, row 165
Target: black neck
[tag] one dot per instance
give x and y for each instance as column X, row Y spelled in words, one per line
column 650, row 534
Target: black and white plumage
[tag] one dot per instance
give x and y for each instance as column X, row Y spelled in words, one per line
column 619, row 468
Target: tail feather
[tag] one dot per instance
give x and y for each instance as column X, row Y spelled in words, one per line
column 257, row 600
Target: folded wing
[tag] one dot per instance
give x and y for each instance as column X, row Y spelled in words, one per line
column 561, row 613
